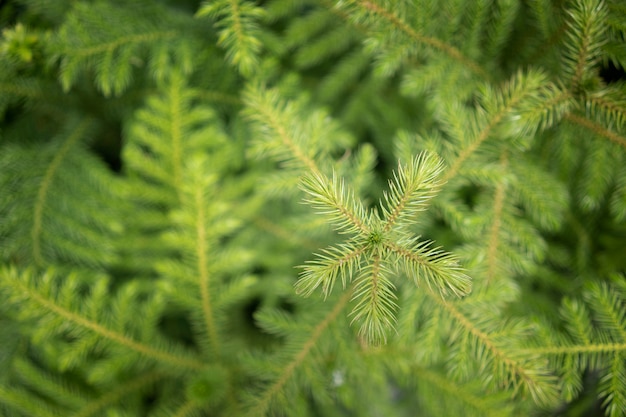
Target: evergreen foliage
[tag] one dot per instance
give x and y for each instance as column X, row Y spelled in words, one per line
column 312, row 208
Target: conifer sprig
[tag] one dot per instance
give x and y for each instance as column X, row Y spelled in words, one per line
column 45, row 218
column 586, row 37
column 595, row 339
column 238, row 30
column 410, row 190
column 388, row 24
column 47, row 297
column 337, row 202
column 381, row 245
column 167, row 301
column 88, row 42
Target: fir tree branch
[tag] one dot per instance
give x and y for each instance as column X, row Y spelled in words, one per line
column 19, row 400
column 472, row 147
column 500, row 104
column 578, row 321
column 341, row 261
column 116, row 337
column 496, row 224
column 436, row 268
column 94, row 408
column 576, row 349
column 613, row 387
column 376, row 250
column 549, row 107
column 596, row 340
column 478, row 402
column 173, row 128
column 597, row 129
column 239, row 33
column 263, row 403
column 20, row 90
column 109, row 47
column 434, row 43
column 610, row 309
column 204, row 278
column 88, row 42
column 375, row 297
column 46, row 304
column 412, row 188
column 267, row 112
column 175, row 111
column 186, row 409
column 338, row 202
column 76, row 135
column 509, row 370
column 587, row 29
column 610, row 105
column 47, row 384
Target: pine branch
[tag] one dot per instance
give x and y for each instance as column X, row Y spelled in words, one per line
column 608, row 106
column 239, row 31
column 342, row 261
column 433, row 267
column 375, row 297
column 597, row 129
column 596, row 340
column 543, row 110
column 496, row 231
column 24, row 403
column 173, row 128
column 380, row 246
column 204, row 217
column 412, row 188
column 471, row 400
column 586, row 37
column 360, row 11
column 590, row 349
column 47, row 384
column 543, row 197
column 544, row 12
column 596, row 173
column 333, row 199
column 506, row 106
column 15, row 89
column 204, row 278
column 610, row 310
column 301, row 146
column 86, row 41
column 496, row 225
column 618, row 199
column 173, row 276
column 43, row 192
column 47, row 217
column 499, row 29
column 613, row 387
column 112, row 397
column 188, row 409
column 263, row 403
column 525, row 374
column 318, row 35
column 277, row 120
column 46, row 305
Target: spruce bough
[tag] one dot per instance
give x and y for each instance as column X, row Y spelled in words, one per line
column 312, row 208
column 380, row 246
